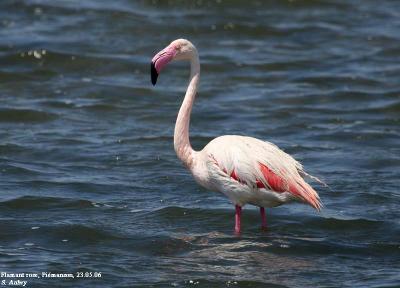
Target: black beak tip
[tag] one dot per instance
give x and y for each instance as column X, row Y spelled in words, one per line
column 154, row 74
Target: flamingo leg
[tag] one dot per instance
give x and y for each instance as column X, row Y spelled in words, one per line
column 263, row 218
column 237, row 218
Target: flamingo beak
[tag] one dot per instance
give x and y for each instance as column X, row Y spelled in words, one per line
column 154, row 73
column 160, row 60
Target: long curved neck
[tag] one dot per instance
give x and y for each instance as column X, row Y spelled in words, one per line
column 182, row 145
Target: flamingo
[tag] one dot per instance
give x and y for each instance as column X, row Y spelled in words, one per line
column 245, row 169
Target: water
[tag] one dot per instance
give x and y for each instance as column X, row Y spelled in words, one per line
column 89, row 178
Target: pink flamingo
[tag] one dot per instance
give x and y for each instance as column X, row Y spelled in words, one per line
column 245, row 169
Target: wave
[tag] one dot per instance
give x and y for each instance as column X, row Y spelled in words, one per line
column 25, row 116
column 39, row 203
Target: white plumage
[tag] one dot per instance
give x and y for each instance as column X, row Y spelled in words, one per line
column 243, row 155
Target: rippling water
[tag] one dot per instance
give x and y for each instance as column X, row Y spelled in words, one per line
column 89, row 178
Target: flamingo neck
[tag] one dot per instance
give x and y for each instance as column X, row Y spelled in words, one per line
column 182, row 145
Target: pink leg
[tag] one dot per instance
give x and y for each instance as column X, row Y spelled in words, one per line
column 263, row 218
column 237, row 218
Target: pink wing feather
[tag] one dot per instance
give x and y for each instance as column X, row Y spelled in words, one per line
column 297, row 186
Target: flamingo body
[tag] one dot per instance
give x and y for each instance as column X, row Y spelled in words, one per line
column 245, row 169
column 250, row 171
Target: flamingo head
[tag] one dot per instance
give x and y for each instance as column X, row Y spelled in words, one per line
column 180, row 49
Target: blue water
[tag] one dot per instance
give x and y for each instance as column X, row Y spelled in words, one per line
column 89, row 177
